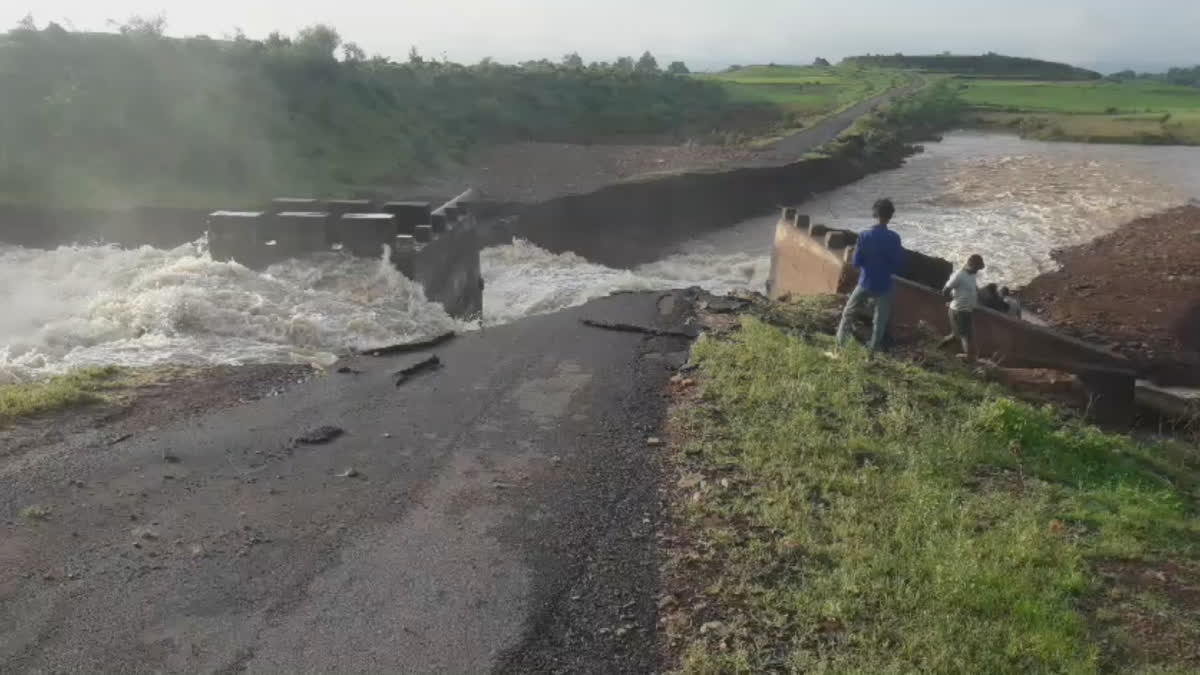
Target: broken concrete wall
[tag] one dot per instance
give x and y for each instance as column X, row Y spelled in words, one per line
column 639, row 221
column 446, row 263
column 804, row 263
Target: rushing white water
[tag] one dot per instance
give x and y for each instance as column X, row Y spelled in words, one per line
column 93, row 304
column 523, row 279
column 1011, row 200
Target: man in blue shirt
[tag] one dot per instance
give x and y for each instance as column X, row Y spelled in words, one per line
column 878, row 256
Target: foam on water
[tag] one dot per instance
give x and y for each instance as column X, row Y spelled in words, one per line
column 83, row 305
column 523, row 279
column 1011, row 200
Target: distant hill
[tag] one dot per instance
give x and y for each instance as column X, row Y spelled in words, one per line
column 985, row 65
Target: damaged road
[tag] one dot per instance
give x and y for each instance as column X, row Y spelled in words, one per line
column 500, row 518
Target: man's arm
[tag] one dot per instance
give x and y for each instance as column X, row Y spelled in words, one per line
column 896, row 256
column 951, row 284
column 858, row 254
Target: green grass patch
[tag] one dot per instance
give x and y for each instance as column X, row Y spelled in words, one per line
column 82, row 386
column 1081, row 97
column 850, row 517
column 1141, row 112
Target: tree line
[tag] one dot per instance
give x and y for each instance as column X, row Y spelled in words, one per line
column 989, row 65
column 138, row 115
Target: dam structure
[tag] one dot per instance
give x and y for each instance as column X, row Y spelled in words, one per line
column 435, row 246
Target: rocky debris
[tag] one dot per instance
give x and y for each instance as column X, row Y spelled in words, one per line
column 319, row 435
column 405, row 374
column 631, row 328
column 654, row 442
column 347, row 370
column 407, row 347
column 350, row 472
column 1137, row 289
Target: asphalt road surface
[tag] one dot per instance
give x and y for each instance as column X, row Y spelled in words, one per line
column 494, row 515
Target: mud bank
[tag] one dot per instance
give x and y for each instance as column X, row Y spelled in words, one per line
column 637, row 222
column 1137, row 289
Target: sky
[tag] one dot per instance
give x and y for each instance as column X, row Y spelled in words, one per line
column 707, row 34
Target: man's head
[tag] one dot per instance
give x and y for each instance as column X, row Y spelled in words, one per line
column 1005, row 291
column 975, row 263
column 884, row 210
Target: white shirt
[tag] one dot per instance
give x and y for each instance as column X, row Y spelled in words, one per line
column 966, row 293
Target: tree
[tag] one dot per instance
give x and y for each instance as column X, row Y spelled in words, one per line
column 319, row 41
column 647, row 64
column 414, row 56
column 352, row 53
column 26, row 24
column 624, row 63
column 821, row 62
column 573, row 60
column 153, row 26
column 678, row 68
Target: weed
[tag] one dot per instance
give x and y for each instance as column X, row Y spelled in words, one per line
column 75, row 388
column 846, row 517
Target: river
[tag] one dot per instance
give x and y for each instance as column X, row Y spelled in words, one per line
column 1009, row 199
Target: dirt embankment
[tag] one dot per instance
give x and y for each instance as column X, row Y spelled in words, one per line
column 1137, row 289
column 535, row 172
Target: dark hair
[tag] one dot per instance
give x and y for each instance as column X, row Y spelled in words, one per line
column 975, row 261
column 1004, row 290
column 884, row 209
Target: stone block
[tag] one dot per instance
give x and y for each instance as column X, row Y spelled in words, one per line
column 817, row 231
column 802, row 222
column 294, row 234
column 423, row 234
column 789, row 214
column 408, row 214
column 233, row 235
column 838, row 239
column 365, row 234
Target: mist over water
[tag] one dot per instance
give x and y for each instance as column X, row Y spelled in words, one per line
column 1011, row 200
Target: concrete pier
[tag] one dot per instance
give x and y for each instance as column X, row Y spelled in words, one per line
column 231, row 234
column 408, row 214
column 292, row 234
column 365, row 234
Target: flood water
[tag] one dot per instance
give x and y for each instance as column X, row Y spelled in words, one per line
column 1011, row 200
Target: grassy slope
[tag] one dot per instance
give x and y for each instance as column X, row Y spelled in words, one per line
column 78, row 387
column 845, row 518
column 804, row 94
column 1142, row 111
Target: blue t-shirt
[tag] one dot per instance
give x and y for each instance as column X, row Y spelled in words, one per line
column 878, row 255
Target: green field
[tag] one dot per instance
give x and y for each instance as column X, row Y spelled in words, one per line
column 1135, row 112
column 804, row 94
column 904, row 516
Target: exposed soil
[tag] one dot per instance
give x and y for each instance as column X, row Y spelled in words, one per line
column 531, row 172
column 1136, row 289
column 1147, row 610
column 534, row 172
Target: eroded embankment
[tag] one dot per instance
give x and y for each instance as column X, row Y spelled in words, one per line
column 1137, row 289
column 636, row 222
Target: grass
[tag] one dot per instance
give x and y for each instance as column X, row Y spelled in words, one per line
column 802, row 94
column 1125, row 112
column 841, row 517
column 78, row 387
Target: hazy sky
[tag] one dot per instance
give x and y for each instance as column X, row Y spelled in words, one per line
column 705, row 33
